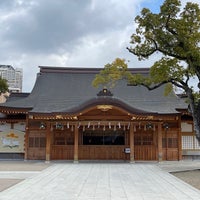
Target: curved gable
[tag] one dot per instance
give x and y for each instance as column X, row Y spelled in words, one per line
column 102, row 103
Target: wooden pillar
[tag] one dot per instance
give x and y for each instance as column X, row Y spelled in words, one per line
column 26, row 139
column 12, row 125
column 48, row 141
column 160, row 154
column 179, row 139
column 76, row 144
column 132, row 159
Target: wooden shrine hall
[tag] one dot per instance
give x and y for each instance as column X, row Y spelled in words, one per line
column 68, row 119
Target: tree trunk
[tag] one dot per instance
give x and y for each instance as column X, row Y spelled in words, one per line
column 196, row 121
column 195, row 111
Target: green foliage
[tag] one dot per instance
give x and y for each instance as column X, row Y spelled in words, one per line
column 168, row 89
column 175, row 33
column 136, row 79
column 171, row 32
column 167, row 69
column 111, row 73
column 3, row 85
column 197, row 96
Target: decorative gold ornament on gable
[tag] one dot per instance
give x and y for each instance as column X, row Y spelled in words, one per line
column 104, row 92
column 104, row 107
column 59, row 116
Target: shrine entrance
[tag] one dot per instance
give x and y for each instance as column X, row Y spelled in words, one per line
column 104, row 133
column 103, row 144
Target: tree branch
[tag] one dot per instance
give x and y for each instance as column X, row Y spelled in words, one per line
column 167, row 26
column 188, row 78
column 155, row 86
column 150, row 87
column 141, row 54
column 181, row 85
column 173, row 81
column 144, row 55
column 171, row 54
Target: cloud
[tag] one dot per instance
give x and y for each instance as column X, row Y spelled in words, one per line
column 193, row 1
column 87, row 33
column 41, row 27
column 63, row 33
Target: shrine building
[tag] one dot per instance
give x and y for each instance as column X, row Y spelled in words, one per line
column 66, row 118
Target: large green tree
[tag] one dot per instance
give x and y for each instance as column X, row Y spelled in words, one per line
column 174, row 33
column 3, row 85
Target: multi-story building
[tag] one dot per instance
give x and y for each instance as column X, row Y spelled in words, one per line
column 13, row 76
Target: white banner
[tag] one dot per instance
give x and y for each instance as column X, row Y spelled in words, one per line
column 11, row 141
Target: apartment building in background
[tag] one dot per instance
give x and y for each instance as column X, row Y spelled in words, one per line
column 14, row 77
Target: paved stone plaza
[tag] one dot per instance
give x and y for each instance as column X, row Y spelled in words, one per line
column 102, row 181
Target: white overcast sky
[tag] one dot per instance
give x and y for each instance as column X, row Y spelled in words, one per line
column 68, row 33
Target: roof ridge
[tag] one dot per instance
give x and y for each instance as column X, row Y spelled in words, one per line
column 52, row 69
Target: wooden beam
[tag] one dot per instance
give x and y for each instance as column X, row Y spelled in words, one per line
column 160, row 156
column 76, row 144
column 107, row 118
column 179, row 139
column 131, row 132
column 48, row 141
column 26, row 143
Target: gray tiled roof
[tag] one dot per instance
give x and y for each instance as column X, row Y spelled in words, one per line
column 70, row 90
column 16, row 96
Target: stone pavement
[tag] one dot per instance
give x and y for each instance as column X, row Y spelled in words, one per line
column 177, row 166
column 101, row 181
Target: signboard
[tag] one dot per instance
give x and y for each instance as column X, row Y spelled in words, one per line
column 186, row 127
column 127, row 150
column 11, row 140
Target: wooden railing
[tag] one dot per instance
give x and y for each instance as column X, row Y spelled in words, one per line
column 170, row 153
column 145, row 152
column 62, row 152
column 35, row 153
column 102, row 152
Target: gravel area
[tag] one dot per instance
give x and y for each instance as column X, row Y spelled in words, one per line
column 23, row 165
column 6, row 183
column 190, row 177
column 186, row 170
column 18, row 167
